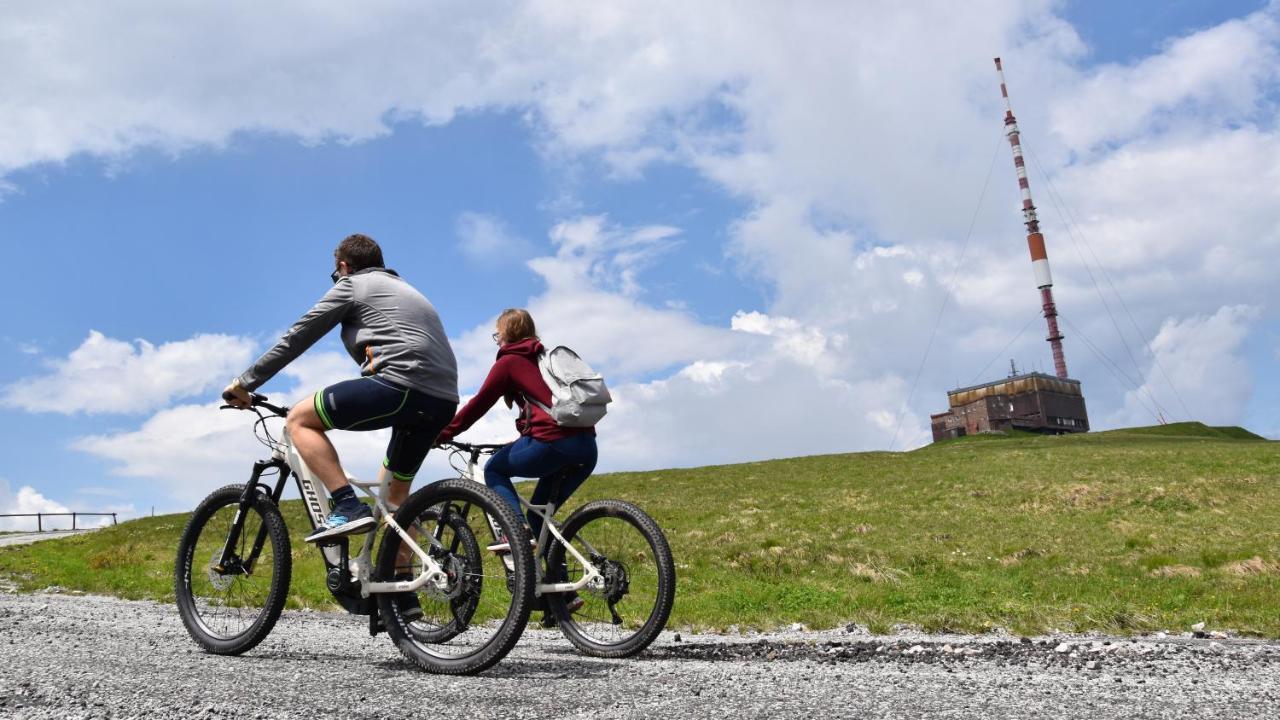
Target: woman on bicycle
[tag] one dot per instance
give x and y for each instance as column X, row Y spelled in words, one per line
column 560, row 457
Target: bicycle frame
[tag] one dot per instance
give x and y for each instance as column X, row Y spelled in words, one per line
column 287, row 461
column 591, row 577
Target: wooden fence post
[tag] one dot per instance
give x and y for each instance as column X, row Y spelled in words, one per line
column 39, row 523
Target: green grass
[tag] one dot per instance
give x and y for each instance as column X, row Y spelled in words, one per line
column 1192, row 429
column 1123, row 531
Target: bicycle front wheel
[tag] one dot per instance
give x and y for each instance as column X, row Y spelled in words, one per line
column 229, row 607
column 629, row 605
column 472, row 618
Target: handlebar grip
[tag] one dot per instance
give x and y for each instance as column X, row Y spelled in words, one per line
column 254, row 398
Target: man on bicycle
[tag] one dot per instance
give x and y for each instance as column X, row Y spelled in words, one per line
column 408, row 378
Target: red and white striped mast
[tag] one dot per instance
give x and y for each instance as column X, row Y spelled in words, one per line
column 1035, row 240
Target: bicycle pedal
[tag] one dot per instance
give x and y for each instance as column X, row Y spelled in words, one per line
column 375, row 624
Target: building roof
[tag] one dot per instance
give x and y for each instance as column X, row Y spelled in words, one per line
column 1014, row 385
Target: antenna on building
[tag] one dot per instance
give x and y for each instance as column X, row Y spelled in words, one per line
column 1032, row 401
column 1035, row 240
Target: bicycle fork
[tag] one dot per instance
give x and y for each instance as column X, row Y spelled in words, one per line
column 228, row 563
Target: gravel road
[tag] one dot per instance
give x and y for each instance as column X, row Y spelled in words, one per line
column 81, row 656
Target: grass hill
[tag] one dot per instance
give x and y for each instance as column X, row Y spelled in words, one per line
column 1192, row 430
column 1129, row 530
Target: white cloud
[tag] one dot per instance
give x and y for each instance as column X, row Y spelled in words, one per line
column 767, row 386
column 709, row 372
column 314, row 371
column 105, row 375
column 771, row 407
column 1215, row 76
column 192, row 449
column 610, row 257
column 487, row 240
column 1201, row 357
column 28, row 500
column 593, row 303
column 861, row 178
column 639, row 82
column 792, row 340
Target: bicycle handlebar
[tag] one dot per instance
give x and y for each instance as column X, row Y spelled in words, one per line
column 256, row 400
column 478, row 449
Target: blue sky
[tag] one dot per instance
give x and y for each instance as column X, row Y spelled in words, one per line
column 1126, row 31
column 732, row 238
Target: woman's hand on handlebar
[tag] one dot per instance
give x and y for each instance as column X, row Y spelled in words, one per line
column 481, row 448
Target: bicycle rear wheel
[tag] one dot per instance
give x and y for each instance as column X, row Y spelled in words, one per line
column 626, row 610
column 229, row 608
column 474, row 619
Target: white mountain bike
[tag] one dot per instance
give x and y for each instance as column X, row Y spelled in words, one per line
column 447, row 606
column 606, row 579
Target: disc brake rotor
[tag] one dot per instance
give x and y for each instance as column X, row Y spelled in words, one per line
column 456, row 570
column 219, row 580
column 616, row 581
column 613, row 582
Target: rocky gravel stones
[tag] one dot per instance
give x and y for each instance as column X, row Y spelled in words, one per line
column 90, row 657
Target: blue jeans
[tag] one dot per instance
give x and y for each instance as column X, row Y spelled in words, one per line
column 560, row 466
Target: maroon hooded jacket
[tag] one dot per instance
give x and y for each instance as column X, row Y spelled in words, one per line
column 514, row 377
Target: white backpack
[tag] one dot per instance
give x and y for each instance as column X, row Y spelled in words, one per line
column 578, row 393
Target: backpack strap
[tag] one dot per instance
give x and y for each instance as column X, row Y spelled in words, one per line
column 528, row 401
column 542, row 358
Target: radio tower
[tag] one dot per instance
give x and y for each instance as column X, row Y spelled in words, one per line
column 1035, row 240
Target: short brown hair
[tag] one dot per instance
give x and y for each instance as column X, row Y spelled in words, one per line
column 359, row 252
column 515, row 324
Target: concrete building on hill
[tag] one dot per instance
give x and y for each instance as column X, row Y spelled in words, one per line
column 1034, row 402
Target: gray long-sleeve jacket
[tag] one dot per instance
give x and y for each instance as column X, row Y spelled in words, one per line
column 387, row 326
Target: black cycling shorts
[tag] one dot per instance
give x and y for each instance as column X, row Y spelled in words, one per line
column 371, row 403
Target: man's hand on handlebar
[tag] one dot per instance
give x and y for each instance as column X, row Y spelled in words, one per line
column 237, row 396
